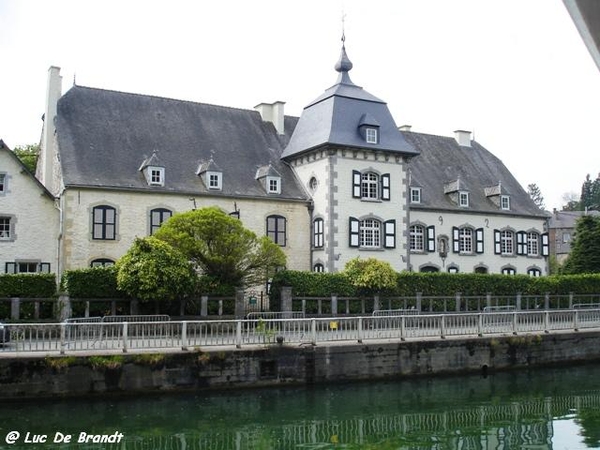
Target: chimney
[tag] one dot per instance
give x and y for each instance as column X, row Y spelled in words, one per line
column 463, row 138
column 48, row 147
column 272, row 112
column 405, row 127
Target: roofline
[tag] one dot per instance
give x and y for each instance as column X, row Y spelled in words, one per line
column 185, row 193
column 349, row 147
column 415, row 207
column 25, row 170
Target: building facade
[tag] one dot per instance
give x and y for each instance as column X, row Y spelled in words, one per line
column 339, row 182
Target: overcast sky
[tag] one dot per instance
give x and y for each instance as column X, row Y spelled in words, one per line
column 515, row 72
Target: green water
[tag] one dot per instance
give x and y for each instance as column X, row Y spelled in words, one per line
column 541, row 409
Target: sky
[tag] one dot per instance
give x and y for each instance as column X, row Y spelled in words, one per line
column 514, row 72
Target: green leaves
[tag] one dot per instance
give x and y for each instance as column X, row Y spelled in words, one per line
column 371, row 275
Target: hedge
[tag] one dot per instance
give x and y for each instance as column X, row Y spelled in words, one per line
column 42, row 285
column 314, row 284
column 95, row 282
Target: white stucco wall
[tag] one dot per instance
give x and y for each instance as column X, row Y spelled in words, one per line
column 34, row 219
column 133, row 212
column 445, row 221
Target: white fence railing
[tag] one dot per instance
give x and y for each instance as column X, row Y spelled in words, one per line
column 61, row 338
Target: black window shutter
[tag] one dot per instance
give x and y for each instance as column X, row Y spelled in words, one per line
column 356, row 182
column 385, row 187
column 545, row 244
column 431, row 238
column 389, row 228
column 497, row 247
column 455, row 240
column 479, row 240
column 354, row 235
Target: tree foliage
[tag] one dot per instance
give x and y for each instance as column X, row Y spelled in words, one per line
column 153, row 270
column 28, row 154
column 536, row 195
column 590, row 193
column 371, row 275
column 585, row 248
column 219, row 246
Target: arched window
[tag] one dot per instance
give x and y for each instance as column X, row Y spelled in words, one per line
column 276, row 229
column 319, row 268
column 104, row 222
column 318, row 233
column 429, row 269
column 102, row 262
column 157, row 217
column 534, row 272
column 509, row 270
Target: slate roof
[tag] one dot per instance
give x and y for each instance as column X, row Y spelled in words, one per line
column 442, row 161
column 334, row 118
column 105, row 136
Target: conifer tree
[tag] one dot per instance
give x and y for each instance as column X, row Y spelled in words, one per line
column 585, row 247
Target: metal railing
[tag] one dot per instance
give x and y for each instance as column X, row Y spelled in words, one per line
column 66, row 337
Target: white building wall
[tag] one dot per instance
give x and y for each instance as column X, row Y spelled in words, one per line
column 34, row 218
column 133, row 220
column 444, row 222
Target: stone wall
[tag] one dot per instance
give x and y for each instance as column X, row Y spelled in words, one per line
column 281, row 364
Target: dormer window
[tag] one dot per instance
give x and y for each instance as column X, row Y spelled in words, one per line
column 157, row 176
column 215, row 180
column 463, row 199
column 371, row 135
column 153, row 171
column 415, row 195
column 211, row 175
column 505, row 202
column 270, row 179
column 274, row 185
column 368, row 128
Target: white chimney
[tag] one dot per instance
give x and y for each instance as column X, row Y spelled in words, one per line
column 48, row 144
column 273, row 112
column 405, row 127
column 463, row 138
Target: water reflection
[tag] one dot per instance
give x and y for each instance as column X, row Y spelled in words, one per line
column 542, row 409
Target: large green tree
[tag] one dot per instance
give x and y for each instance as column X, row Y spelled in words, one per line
column 28, row 154
column 153, row 270
column 585, row 247
column 221, row 247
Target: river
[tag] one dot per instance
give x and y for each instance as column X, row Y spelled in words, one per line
column 556, row 408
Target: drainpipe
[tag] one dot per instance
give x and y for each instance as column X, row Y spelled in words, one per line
column 58, row 206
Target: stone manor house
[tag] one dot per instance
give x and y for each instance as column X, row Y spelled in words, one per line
column 340, row 181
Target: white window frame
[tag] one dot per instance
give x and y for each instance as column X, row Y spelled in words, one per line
column 319, row 267
column 465, row 240
column 370, row 233
column 156, row 176
column 369, row 186
column 415, row 195
column 533, row 244
column 417, row 238
column 371, row 135
column 214, row 180
column 505, row 202
column 157, row 217
column 507, row 242
column 508, row 271
column 534, row 272
column 3, row 179
column 273, row 185
column 463, row 199
column 318, row 233
column 6, row 231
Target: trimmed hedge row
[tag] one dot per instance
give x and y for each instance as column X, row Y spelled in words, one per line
column 28, row 285
column 95, row 282
column 313, row 284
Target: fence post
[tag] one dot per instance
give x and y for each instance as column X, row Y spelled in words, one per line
column 134, row 307
column 63, row 335
column 15, row 308
column 360, row 330
column 514, row 323
column 87, row 309
column 547, row 300
column 376, row 304
column 480, row 324
column 334, row 304
column 457, row 297
column 488, row 299
column 576, row 320
column 238, row 334
column 204, row 305
column 570, row 300
column 113, row 308
column 519, row 299
column 286, row 299
column 184, row 345
column 443, row 326
column 419, row 300
column 125, row 343
column 313, row 331
column 403, row 328
column 64, row 310
column 240, row 307
column 546, row 321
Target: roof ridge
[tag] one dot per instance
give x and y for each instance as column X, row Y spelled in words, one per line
column 171, row 99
